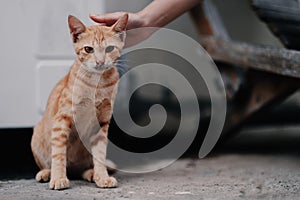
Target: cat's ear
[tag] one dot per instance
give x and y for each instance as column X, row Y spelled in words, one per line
column 76, row 27
column 121, row 24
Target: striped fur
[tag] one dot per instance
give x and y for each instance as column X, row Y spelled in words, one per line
column 56, row 142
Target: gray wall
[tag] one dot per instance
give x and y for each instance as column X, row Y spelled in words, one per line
column 238, row 17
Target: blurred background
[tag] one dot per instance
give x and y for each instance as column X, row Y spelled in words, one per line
column 36, row 52
column 37, row 49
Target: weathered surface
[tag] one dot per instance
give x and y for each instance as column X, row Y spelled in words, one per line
column 260, row 91
column 249, row 89
column 270, row 59
column 208, row 22
column 258, row 164
column 282, row 18
column 222, row 177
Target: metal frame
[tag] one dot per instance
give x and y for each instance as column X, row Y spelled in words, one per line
column 255, row 77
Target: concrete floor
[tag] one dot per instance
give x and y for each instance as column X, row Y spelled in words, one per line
column 257, row 164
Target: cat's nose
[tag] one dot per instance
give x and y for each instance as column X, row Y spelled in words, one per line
column 99, row 62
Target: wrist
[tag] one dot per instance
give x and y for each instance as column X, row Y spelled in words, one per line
column 144, row 19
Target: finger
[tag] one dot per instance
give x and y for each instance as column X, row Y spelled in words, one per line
column 108, row 19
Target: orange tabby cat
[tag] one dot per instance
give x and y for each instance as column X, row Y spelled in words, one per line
column 56, row 144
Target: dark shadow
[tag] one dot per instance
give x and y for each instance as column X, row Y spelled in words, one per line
column 276, row 136
column 16, row 156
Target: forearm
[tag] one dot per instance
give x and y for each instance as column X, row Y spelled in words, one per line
column 161, row 12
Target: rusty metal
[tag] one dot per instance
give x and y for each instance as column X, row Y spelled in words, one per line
column 266, row 58
column 268, row 72
column 260, row 91
column 208, row 22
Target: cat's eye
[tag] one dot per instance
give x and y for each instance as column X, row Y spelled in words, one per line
column 109, row 49
column 89, row 49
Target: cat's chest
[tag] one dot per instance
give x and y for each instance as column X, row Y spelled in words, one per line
column 87, row 112
column 90, row 96
column 87, row 102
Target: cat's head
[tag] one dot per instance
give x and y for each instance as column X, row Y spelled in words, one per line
column 98, row 47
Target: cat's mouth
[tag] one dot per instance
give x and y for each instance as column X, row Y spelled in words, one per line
column 101, row 67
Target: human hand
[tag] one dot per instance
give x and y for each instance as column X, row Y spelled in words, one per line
column 136, row 22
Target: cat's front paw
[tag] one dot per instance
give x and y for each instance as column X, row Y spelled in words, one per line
column 59, row 183
column 107, row 182
column 43, row 175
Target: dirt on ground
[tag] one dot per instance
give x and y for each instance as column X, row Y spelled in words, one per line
column 255, row 165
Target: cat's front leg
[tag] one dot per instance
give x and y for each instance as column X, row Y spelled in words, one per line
column 98, row 147
column 59, row 139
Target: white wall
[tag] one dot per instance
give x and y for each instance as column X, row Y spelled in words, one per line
column 36, row 51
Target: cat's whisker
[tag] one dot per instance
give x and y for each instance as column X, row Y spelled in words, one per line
column 125, row 63
column 124, row 66
column 122, row 59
